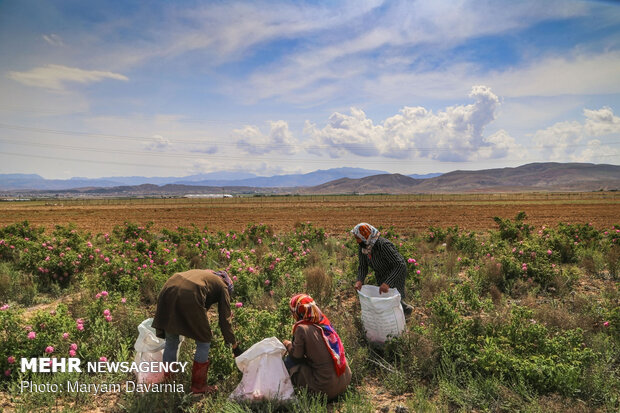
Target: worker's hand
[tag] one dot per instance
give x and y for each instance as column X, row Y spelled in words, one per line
column 383, row 288
column 237, row 351
column 287, row 344
column 358, row 285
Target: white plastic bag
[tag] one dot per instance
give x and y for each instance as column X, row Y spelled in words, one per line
column 382, row 314
column 264, row 373
column 150, row 348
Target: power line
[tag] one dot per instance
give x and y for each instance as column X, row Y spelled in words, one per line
column 178, row 155
column 283, row 159
column 98, row 150
column 234, row 144
column 47, row 111
column 90, row 161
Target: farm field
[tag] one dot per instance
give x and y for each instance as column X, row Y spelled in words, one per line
column 336, row 214
column 514, row 311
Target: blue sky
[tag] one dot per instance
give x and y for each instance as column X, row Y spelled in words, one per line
column 160, row 88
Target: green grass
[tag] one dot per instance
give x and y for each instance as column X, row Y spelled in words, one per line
column 483, row 337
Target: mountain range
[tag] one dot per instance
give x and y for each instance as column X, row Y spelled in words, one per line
column 548, row 176
column 526, row 178
column 220, row 179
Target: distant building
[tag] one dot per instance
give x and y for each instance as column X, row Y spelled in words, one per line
column 207, row 196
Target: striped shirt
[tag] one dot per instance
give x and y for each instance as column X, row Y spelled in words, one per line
column 389, row 266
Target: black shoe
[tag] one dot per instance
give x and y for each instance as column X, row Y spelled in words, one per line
column 407, row 309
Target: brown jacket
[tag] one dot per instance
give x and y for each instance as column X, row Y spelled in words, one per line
column 183, row 304
column 317, row 371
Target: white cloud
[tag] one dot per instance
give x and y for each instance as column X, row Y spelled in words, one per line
column 266, row 169
column 29, row 101
column 279, row 139
column 158, row 143
column 339, row 50
column 257, row 168
column 53, row 39
column 455, row 134
column 355, row 134
column 444, row 22
column 208, row 149
column 55, row 76
column 522, row 116
column 597, row 152
column 500, row 145
column 388, row 58
column 582, row 74
column 601, row 122
column 230, row 29
column 576, row 141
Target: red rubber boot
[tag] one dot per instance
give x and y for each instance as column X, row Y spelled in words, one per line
column 200, row 372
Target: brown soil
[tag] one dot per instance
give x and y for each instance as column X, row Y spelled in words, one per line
column 407, row 216
column 66, row 299
column 336, row 216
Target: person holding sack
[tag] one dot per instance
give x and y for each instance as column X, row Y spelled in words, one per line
column 382, row 256
column 316, row 358
column 182, row 308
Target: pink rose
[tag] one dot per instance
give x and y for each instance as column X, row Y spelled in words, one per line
column 49, row 349
column 238, row 304
column 32, row 335
column 11, row 359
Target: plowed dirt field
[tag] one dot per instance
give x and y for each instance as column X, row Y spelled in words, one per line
column 407, row 214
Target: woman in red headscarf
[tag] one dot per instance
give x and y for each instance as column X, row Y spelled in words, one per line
column 316, row 358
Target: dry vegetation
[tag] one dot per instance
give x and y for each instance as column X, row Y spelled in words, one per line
column 407, row 214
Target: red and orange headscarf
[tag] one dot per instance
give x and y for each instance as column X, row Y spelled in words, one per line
column 306, row 311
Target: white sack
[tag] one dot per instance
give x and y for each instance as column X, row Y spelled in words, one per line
column 150, row 348
column 264, row 373
column 382, row 314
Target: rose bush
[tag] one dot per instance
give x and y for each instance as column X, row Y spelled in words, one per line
column 479, row 298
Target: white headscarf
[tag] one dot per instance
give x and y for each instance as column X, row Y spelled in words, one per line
column 368, row 234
